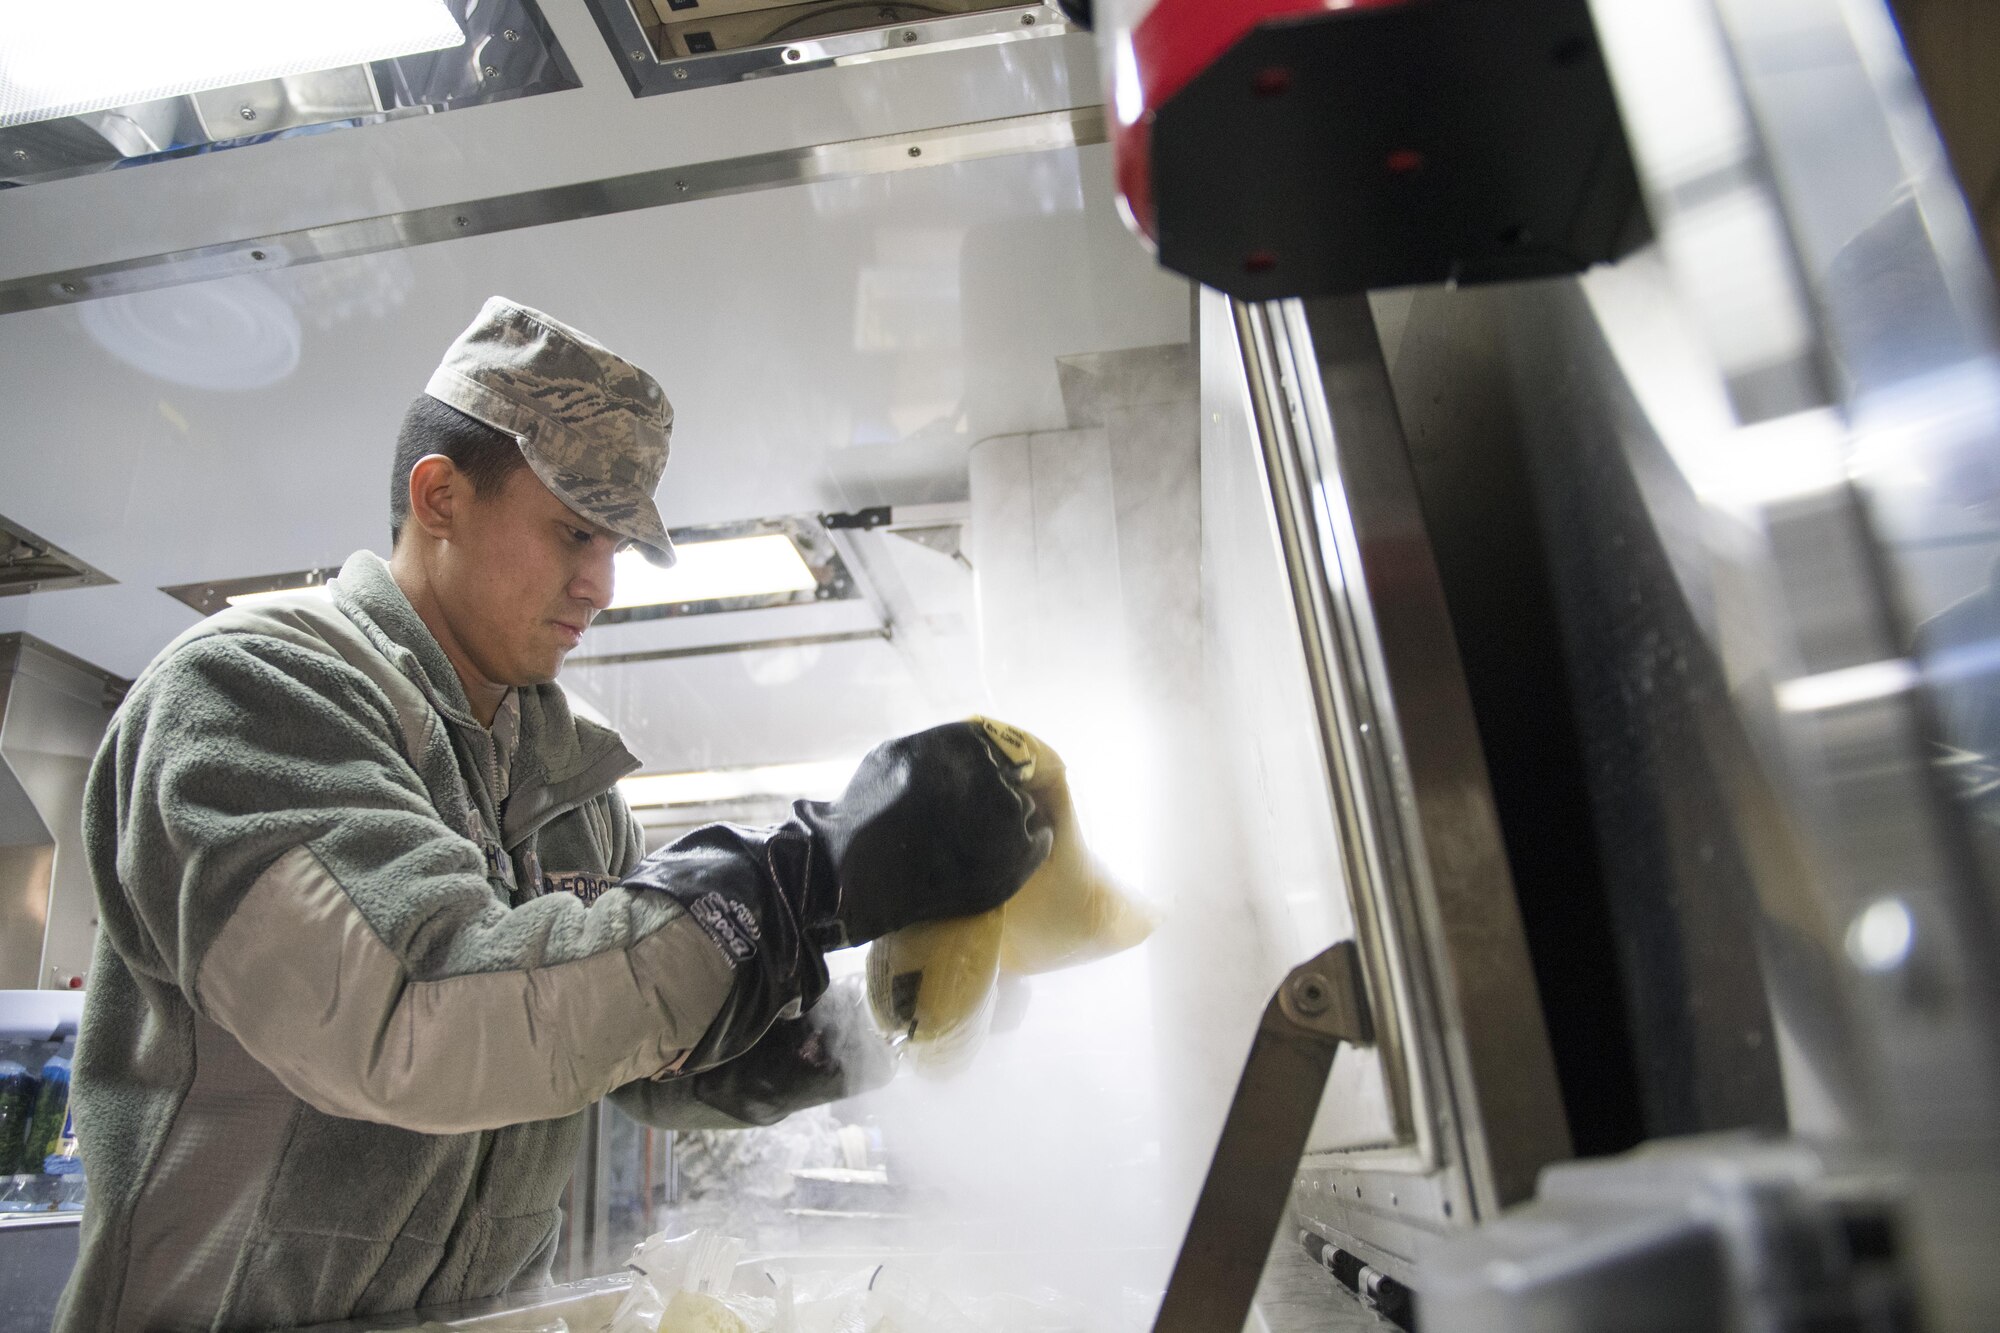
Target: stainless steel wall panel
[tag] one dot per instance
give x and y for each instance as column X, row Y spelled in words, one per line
column 53, row 711
column 25, row 870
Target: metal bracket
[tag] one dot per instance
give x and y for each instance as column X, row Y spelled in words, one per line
column 937, row 527
column 1319, row 1005
column 1324, row 995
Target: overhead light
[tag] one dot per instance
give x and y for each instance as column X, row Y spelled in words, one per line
column 320, row 590
column 746, row 564
column 212, row 595
column 820, row 778
column 68, row 59
column 1844, row 687
column 709, row 571
column 741, row 565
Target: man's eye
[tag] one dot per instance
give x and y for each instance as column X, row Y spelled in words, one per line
column 581, row 536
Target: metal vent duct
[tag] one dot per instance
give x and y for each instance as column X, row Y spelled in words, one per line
column 29, row 564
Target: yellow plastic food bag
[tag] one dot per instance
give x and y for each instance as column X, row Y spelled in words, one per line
column 932, row 985
column 697, row 1312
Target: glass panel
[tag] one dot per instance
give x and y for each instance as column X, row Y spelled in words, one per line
column 1113, row 585
column 981, row 350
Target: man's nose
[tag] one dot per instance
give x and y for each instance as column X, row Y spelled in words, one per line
column 594, row 580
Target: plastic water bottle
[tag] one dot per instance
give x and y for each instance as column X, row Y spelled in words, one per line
column 63, row 1170
column 17, row 1109
column 45, row 1130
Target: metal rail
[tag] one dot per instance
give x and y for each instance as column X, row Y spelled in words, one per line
column 1072, row 127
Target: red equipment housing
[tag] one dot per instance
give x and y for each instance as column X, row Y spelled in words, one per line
column 1302, row 147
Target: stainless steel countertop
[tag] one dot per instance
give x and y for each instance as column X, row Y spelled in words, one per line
column 24, row 1221
column 585, row 1306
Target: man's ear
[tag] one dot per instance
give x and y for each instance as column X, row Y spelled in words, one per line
column 437, row 490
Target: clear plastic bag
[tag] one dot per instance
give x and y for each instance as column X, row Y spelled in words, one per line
column 684, row 1286
column 892, row 1299
column 695, row 1284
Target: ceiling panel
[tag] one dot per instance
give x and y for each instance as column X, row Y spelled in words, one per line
column 588, row 133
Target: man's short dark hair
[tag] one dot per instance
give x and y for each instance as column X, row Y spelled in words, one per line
column 486, row 455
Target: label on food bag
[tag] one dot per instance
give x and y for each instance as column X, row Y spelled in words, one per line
column 903, row 992
column 1011, row 742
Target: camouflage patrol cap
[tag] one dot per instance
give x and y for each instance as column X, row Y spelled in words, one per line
column 593, row 426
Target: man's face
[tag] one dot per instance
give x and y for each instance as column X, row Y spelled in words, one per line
column 520, row 578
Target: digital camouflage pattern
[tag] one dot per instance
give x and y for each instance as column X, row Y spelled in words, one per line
column 593, row 426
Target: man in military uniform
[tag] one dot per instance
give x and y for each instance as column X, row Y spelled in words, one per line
column 375, row 930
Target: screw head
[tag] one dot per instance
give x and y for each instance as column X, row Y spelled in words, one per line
column 916, row 151
column 636, row 55
column 488, row 70
column 69, row 289
column 509, row 35
column 792, row 53
column 247, row 112
column 1271, row 81
column 20, row 155
column 1309, row 995
column 680, row 185
column 257, row 254
column 461, row 221
column 1027, row 20
column 1880, row 939
column 680, row 74
column 909, row 35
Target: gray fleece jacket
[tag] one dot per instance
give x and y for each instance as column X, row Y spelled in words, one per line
column 346, row 1009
